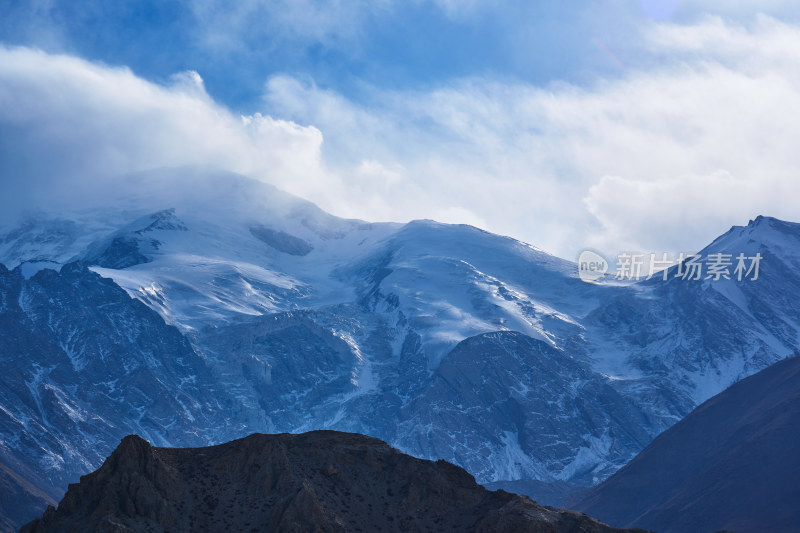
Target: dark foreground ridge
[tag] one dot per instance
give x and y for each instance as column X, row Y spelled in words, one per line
column 319, row 481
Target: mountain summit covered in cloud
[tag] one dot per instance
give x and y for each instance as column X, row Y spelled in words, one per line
column 198, row 307
column 612, row 129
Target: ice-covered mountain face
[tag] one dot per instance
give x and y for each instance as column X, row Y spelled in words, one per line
column 692, row 339
column 444, row 340
column 221, row 245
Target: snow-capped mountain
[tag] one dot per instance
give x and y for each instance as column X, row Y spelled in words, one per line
column 251, row 310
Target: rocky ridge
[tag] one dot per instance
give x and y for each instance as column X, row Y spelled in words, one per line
column 318, row 481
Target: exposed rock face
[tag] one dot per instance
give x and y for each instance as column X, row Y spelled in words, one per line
column 731, row 464
column 519, row 390
column 281, row 241
column 84, row 365
column 316, row 481
column 133, row 244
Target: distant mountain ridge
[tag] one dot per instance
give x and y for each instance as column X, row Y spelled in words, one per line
column 444, row 340
column 731, row 464
column 319, row 481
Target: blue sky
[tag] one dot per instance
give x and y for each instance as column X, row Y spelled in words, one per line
column 382, row 44
column 618, row 124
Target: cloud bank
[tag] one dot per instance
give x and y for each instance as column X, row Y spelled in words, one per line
column 66, row 123
column 662, row 158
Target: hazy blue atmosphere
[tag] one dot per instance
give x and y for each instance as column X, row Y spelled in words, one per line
column 651, row 125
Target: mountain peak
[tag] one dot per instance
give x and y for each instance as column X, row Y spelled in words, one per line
column 761, row 232
column 762, row 221
column 132, row 445
column 163, row 220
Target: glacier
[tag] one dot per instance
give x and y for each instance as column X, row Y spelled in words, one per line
column 204, row 306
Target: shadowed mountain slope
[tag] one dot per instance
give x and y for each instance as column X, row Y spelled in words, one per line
column 732, row 463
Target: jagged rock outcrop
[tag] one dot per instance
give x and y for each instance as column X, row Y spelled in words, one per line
column 317, row 481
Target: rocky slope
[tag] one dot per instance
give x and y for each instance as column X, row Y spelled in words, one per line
column 318, row 481
column 84, row 364
column 732, row 464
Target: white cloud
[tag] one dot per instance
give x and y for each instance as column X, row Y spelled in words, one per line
column 662, row 159
column 665, row 158
column 233, row 26
column 65, row 121
column 761, row 45
column 667, row 214
column 740, row 8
